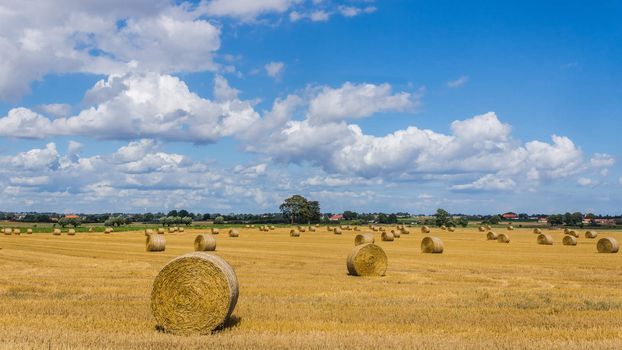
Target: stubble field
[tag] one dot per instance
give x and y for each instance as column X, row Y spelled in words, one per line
column 93, row 291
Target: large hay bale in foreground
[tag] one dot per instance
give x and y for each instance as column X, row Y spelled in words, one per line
column 491, row 236
column 503, row 238
column 569, row 240
column 215, row 231
column 194, row 294
column 234, row 233
column 607, row 245
column 591, row 234
column 482, row 229
column 432, row 245
column 537, row 231
column 56, row 232
column 425, row 229
column 363, row 238
column 71, row 232
column 204, row 243
column 337, row 230
column 294, row 233
column 367, row 260
column 387, row 236
column 545, row 239
column 155, row 243
column 171, row 230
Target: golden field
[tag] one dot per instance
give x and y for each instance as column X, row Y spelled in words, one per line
column 92, row 291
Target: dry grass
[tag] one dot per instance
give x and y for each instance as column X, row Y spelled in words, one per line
column 92, row 291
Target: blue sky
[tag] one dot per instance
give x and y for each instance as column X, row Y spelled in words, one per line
column 232, row 106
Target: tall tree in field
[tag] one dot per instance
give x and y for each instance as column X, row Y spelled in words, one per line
column 297, row 209
column 442, row 217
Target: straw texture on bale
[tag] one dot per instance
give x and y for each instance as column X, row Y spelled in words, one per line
column 503, row 238
column 155, row 243
column 194, row 294
column 482, row 229
column 234, row 233
column 367, row 260
column 572, row 233
column 569, row 240
column 302, row 229
column 607, row 245
column 545, row 239
column 204, row 243
column 591, row 234
column 56, row 232
column 537, row 231
column 71, row 232
column 432, row 245
column 337, row 231
column 510, row 228
column 215, row 231
column 491, row 236
column 294, row 233
column 387, row 236
column 425, row 229
column 363, row 238
column 29, row 231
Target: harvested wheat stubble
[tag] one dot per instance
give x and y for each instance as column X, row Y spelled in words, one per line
column 367, row 260
column 161, row 231
column 71, row 232
column 148, row 232
column 294, row 233
column 503, row 238
column 234, row 233
column 363, row 238
column 155, row 243
column 204, row 243
column 432, row 245
column 545, row 239
column 337, row 231
column 215, row 231
column 491, row 236
column 537, row 231
column 482, row 229
column 29, row 231
column 194, row 294
column 569, row 240
column 387, row 236
column 572, row 233
column 591, row 234
column 56, row 232
column 607, row 245
column 425, row 229
column 510, row 228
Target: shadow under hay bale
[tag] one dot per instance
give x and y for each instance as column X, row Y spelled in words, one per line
column 194, row 294
column 367, row 260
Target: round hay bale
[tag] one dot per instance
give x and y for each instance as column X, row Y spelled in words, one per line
column 161, row 230
column 432, row 245
column 537, row 231
column 17, row 232
column 491, row 236
column 181, row 229
column 337, row 231
column 311, row 229
column 573, row 233
column 482, row 229
column 566, row 231
column 569, row 240
column 301, row 229
column 71, row 232
column 488, row 227
column 247, row 226
column 56, row 232
column 443, row 227
column 425, row 229
column 108, row 230
column 375, row 228
column 272, row 227
column 215, row 231
column 329, row 229
column 155, row 243
column 317, row 225
column 356, row 228
column 591, row 234
column 404, row 231
column 234, row 233
column 204, row 243
column 90, row 229
column 396, row 233
column 451, row 229
column 7, row 231
column 607, row 245
column 367, row 260
column 503, row 238
column 363, row 238
column 387, row 236
column 545, row 239
column 171, row 229
column 194, row 294
column 148, row 232
column 510, row 228
column 294, row 233
column 29, row 231
column 252, row 226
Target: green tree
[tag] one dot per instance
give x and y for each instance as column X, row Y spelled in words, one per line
column 442, row 217
column 350, row 215
column 464, row 222
column 554, row 220
column 297, row 209
column 495, row 219
column 219, row 220
column 186, row 220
